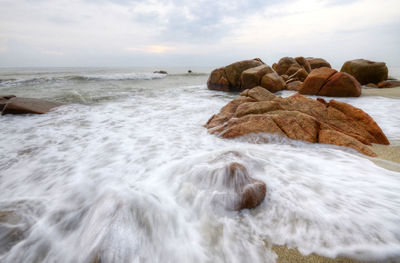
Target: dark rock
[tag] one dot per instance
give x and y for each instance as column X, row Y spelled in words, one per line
column 160, row 72
column 229, row 78
column 366, row 71
column 24, row 105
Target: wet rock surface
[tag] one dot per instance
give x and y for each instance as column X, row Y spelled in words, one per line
column 17, row 105
column 299, row 118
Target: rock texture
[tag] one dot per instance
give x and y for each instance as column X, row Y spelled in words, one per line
column 299, row 118
column 328, row 82
column 318, row 63
column 366, row 71
column 229, row 78
column 16, row 105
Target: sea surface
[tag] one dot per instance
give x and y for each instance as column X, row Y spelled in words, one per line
column 122, row 173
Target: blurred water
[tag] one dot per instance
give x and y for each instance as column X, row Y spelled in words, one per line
column 124, row 175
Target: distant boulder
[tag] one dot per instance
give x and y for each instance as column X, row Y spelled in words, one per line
column 366, row 71
column 229, row 78
column 160, row 72
column 318, row 63
column 18, row 105
column 328, row 82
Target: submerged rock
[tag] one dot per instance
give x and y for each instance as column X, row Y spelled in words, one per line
column 4, row 100
column 328, row 82
column 251, row 192
column 366, row 71
column 18, row 105
column 299, row 118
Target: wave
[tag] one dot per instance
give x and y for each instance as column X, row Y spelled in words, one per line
column 83, row 77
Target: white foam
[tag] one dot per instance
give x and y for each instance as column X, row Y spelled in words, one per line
column 125, row 181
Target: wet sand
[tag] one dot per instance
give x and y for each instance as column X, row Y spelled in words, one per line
column 387, row 92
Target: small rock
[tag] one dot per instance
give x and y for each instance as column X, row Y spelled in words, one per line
column 389, row 84
column 160, row 72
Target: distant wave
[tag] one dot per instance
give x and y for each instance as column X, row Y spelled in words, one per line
column 83, row 77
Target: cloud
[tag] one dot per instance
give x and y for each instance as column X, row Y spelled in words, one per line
column 150, row 49
column 123, row 31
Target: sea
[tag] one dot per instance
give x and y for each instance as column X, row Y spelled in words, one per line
column 123, row 173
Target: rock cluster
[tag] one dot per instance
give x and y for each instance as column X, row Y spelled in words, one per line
column 243, row 75
column 11, row 104
column 297, row 117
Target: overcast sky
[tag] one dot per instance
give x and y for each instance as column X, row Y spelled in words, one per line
column 195, row 33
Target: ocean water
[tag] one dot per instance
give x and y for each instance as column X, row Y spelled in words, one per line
column 123, row 173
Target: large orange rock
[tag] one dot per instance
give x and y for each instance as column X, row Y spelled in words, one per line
column 318, row 63
column 229, row 78
column 300, row 118
column 366, row 71
column 328, row 82
column 341, row 85
column 316, row 80
column 18, row 105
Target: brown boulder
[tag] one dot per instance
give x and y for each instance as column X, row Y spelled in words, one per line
column 286, row 64
column 251, row 77
column 300, row 118
column 341, row 85
column 318, row 63
column 389, row 84
column 218, row 80
column 229, row 78
column 24, row 106
column 328, row 82
column 258, row 94
column 272, row 82
column 366, row 71
column 294, row 85
column 300, row 74
column 316, row 80
column 304, row 63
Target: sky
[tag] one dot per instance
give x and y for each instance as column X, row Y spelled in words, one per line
column 195, row 33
